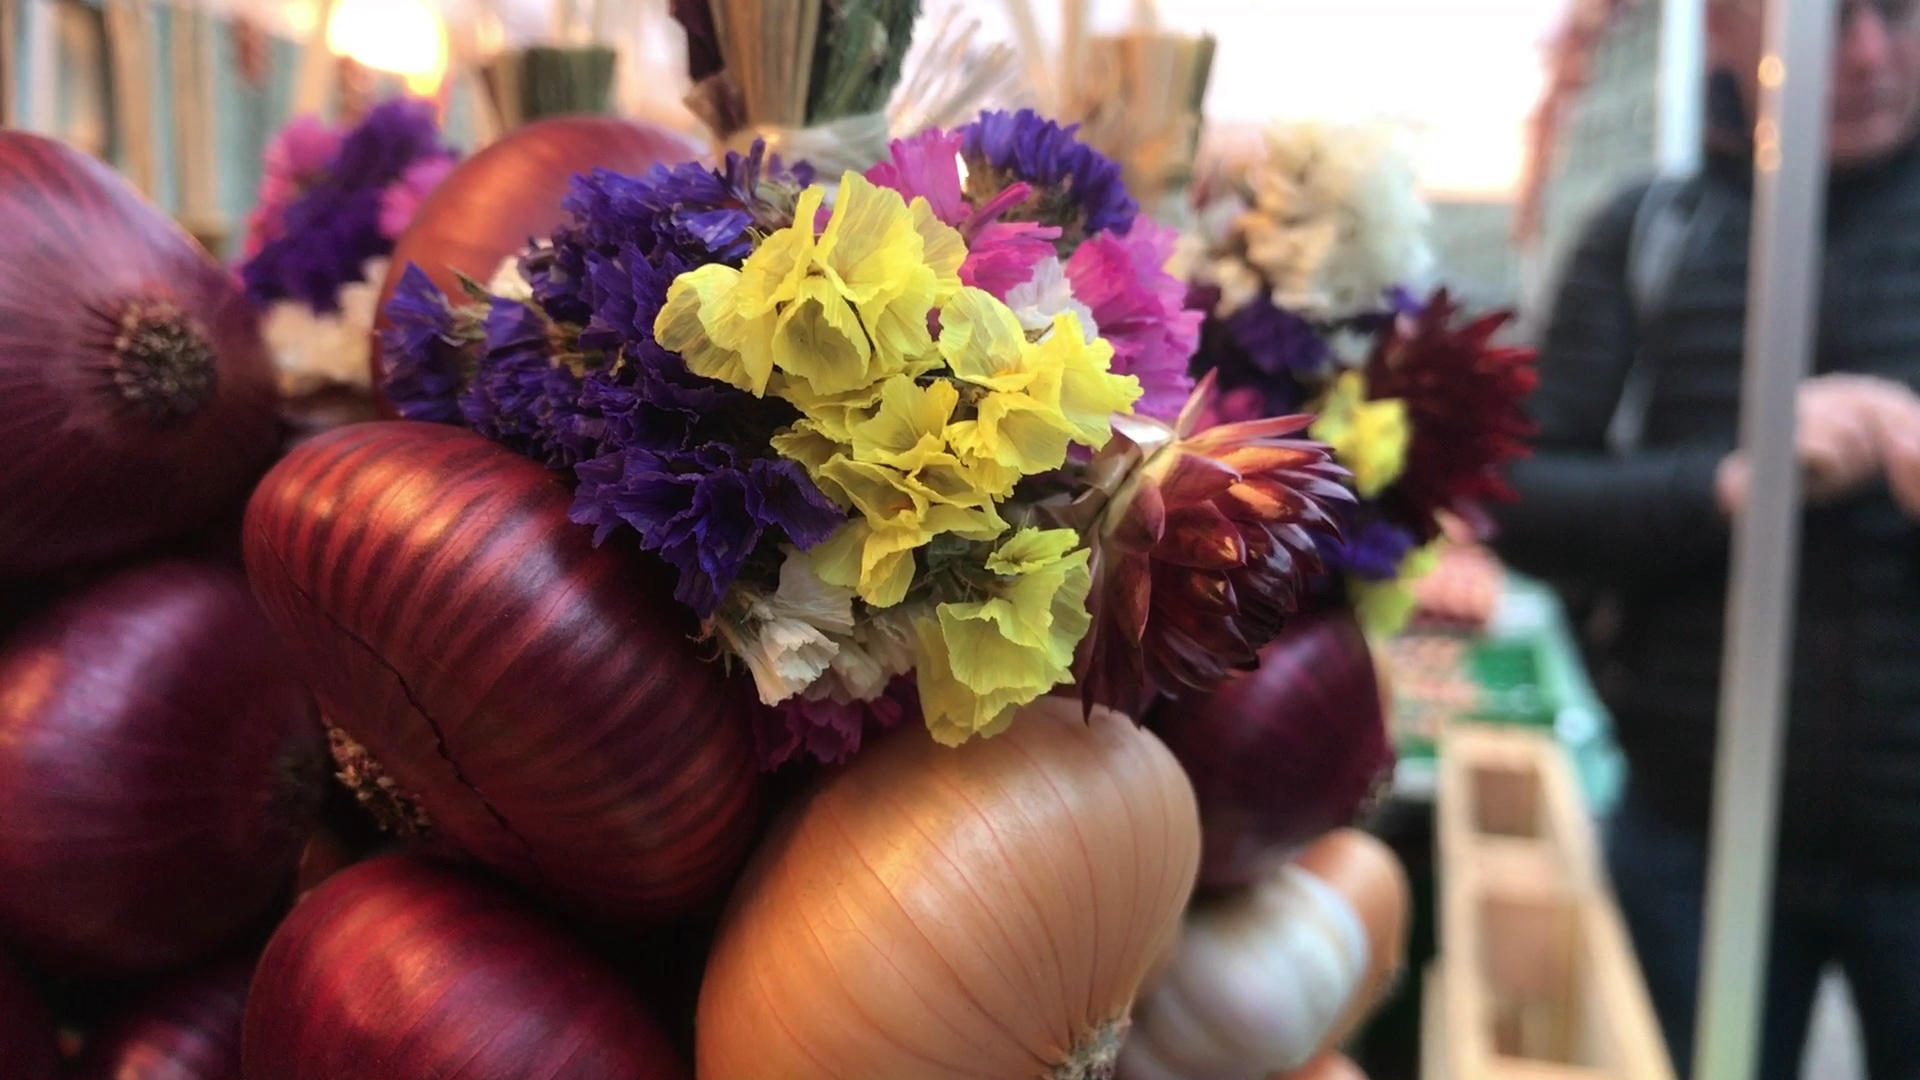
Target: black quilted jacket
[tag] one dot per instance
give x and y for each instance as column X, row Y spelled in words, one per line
column 1646, row 529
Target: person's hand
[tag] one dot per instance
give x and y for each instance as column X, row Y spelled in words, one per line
column 1899, row 421
column 1839, row 436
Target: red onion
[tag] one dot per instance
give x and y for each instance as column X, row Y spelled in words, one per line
column 188, row 1029
column 1284, row 753
column 509, row 193
column 139, row 400
column 159, row 769
column 498, row 682
column 400, row 970
column 27, row 1044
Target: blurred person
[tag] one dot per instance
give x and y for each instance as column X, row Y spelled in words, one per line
column 1629, row 499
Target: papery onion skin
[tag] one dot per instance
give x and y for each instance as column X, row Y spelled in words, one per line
column 398, row 969
column 496, row 201
column 1366, row 871
column 160, row 766
column 27, row 1046
column 1282, row 754
column 942, row 913
column 139, row 401
column 540, row 699
column 1274, row 976
column 186, row 1029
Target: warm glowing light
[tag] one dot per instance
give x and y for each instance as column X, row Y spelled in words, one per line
column 1773, row 72
column 404, row 37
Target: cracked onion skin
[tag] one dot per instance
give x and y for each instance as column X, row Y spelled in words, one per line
column 399, row 969
column 541, row 700
column 138, row 400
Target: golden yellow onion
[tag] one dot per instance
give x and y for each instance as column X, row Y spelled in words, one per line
column 957, row 914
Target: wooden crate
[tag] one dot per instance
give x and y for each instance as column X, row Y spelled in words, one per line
column 1537, row 979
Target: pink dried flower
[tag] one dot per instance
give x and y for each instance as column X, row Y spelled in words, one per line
column 1141, row 309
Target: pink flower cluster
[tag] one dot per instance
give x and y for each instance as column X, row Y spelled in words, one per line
column 1120, row 278
column 295, row 160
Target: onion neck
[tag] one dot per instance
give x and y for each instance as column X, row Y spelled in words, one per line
column 162, row 362
column 395, row 809
column 1096, row 1055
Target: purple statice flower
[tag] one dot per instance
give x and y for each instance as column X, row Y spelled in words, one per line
column 421, row 357
column 1370, row 548
column 674, row 465
column 1276, row 341
column 293, row 162
column 1398, row 303
column 1074, row 186
column 830, row 732
column 705, row 511
column 1141, row 310
column 627, row 237
column 326, row 235
column 1263, row 349
column 522, row 399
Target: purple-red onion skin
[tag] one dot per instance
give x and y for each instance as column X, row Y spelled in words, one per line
column 160, row 766
column 542, row 699
column 494, row 202
column 27, row 1047
column 398, row 969
column 85, row 477
column 185, row 1029
column 1282, row 754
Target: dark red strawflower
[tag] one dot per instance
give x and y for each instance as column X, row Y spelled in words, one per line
column 1465, row 400
column 1203, row 551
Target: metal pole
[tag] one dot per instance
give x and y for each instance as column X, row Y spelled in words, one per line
column 1790, row 168
column 1682, row 89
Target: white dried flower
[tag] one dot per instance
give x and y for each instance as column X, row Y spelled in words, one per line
column 312, row 351
column 1331, row 218
column 508, row 283
column 1047, row 294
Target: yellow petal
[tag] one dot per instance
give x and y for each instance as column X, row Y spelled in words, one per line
column 886, row 566
column 833, row 415
column 1089, row 393
column 876, row 563
column 701, row 321
column 882, row 494
column 867, row 241
column 898, row 321
column 818, row 340
column 774, row 272
column 1030, row 550
column 982, row 340
column 1020, row 433
column 807, row 444
column 955, row 713
column 837, row 559
column 1369, row 438
column 983, row 650
column 908, row 414
column 966, row 522
column 944, row 250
